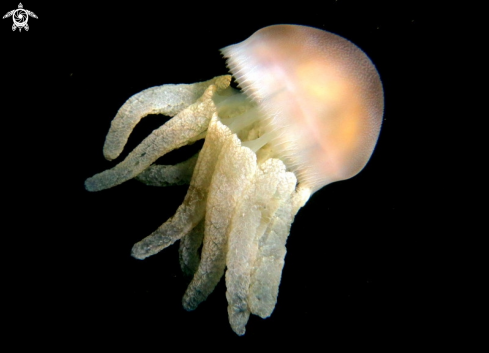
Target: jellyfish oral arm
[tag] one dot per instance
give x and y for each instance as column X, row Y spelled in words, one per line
column 239, row 210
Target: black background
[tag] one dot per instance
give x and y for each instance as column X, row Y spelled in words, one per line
column 361, row 266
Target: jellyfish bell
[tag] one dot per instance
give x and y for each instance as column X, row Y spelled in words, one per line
column 321, row 95
column 309, row 114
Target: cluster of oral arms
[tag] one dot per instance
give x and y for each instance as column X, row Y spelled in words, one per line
column 308, row 114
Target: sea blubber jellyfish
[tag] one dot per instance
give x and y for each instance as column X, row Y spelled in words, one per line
column 308, row 114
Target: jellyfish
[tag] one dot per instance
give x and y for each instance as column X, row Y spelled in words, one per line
column 308, row 113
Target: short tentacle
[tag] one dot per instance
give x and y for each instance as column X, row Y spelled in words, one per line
column 233, row 174
column 175, row 133
column 265, row 278
column 167, row 100
column 249, row 222
column 193, row 208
